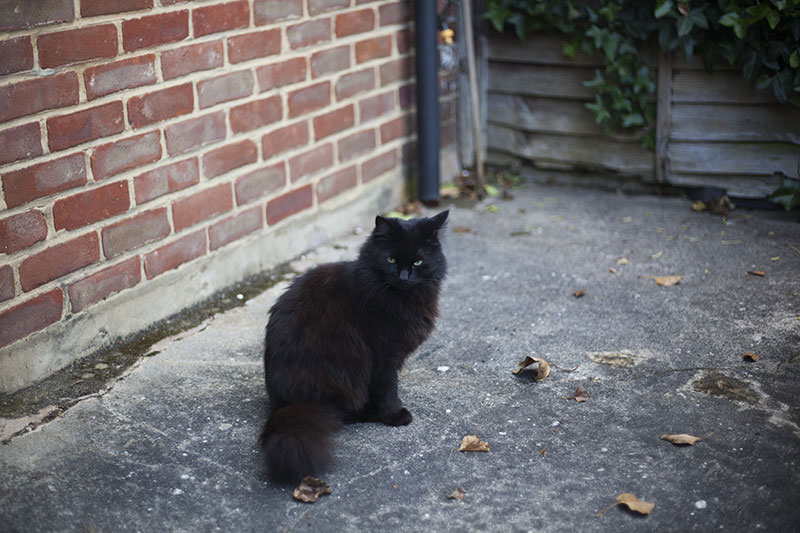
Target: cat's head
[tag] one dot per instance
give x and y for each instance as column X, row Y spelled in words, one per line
column 406, row 253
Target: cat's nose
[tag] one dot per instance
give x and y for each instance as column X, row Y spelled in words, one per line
column 404, row 275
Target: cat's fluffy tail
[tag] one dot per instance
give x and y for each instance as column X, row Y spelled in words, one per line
column 296, row 440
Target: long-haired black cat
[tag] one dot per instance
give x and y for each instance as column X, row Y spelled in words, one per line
column 338, row 336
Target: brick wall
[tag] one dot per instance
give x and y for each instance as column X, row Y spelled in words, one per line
column 141, row 136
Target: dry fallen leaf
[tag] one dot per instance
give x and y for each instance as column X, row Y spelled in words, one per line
column 612, row 270
column 460, row 229
column 581, row 395
column 682, row 438
column 471, row 443
column 578, row 294
column 544, row 367
column 757, row 273
column 623, row 261
column 752, row 357
column 699, row 205
column 310, row 489
column 457, row 494
column 635, row 504
column 666, row 281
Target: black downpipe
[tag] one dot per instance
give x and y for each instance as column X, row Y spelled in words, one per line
column 427, row 58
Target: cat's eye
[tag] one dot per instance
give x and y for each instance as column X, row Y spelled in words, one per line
column 418, row 262
column 392, row 260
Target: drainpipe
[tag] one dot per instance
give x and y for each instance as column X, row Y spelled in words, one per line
column 427, row 58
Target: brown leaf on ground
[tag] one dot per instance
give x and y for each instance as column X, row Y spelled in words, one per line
column 541, row 373
column 612, row 270
column 752, row 357
column 457, row 494
column 310, row 489
column 635, row 504
column 581, row 395
column 759, row 273
column 623, row 261
column 460, row 229
column 471, row 443
column 682, row 439
column 666, row 281
column 578, row 294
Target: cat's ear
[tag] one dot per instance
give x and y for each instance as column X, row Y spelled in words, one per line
column 382, row 226
column 436, row 223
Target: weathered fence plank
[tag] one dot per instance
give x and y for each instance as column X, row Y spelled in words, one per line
column 541, row 80
column 724, row 86
column 741, row 158
column 584, row 152
column 722, row 122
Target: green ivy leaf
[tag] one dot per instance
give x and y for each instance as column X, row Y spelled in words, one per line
column 684, row 26
column 794, row 59
column 729, row 19
column 698, row 18
column 773, row 18
column 663, row 9
column 787, row 194
column 632, row 119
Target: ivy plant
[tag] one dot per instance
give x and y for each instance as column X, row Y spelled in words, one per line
column 760, row 37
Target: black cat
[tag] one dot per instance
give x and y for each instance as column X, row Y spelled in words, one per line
column 337, row 337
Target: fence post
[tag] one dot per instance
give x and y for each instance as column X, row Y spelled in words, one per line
column 663, row 119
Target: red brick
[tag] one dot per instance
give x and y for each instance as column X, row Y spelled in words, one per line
column 290, row 203
column 119, row 75
column 22, row 142
column 311, row 98
column 396, row 128
column 399, row 69
column 160, row 105
column 192, row 58
column 254, row 45
column 44, row 179
column 175, row 254
column 308, row 33
column 225, row 88
column 135, row 231
column 7, row 289
column 16, row 55
column 253, row 115
column 334, row 122
column 30, row 316
column 164, row 180
column 58, row 261
column 221, row 17
column 233, row 228
column 355, row 82
column 201, row 206
column 111, row 159
column 269, row 11
column 330, row 61
column 259, row 183
column 283, row 139
column 356, row 144
column 396, row 13
column 90, row 206
column 336, row 183
column 153, row 30
column 376, row 166
column 227, row 158
column 103, row 284
column 354, row 22
column 310, row 162
column 21, row 231
column 74, row 46
column 280, row 74
column 25, row 14
column 93, row 8
column 407, row 95
column 374, row 48
column 32, row 96
column 316, row 7
column 83, row 126
column 405, row 41
column 195, row 133
column 375, row 106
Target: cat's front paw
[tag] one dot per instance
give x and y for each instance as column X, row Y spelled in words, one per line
column 402, row 417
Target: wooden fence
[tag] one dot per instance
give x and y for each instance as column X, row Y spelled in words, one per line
column 713, row 129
